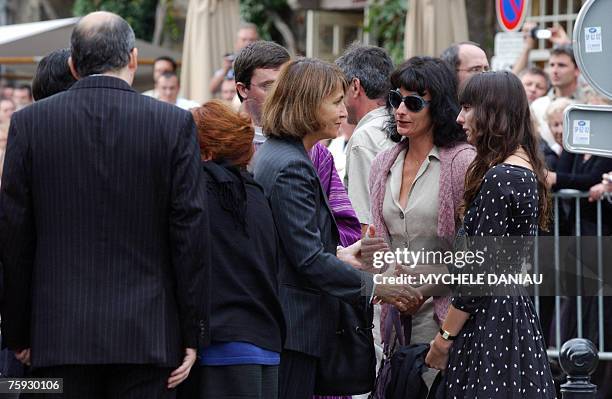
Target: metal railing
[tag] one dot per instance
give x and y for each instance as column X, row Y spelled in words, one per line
column 576, row 197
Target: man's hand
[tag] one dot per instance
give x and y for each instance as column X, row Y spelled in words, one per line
column 529, row 42
column 596, row 192
column 23, row 356
column 437, row 357
column 371, row 244
column 180, row 374
column 559, row 36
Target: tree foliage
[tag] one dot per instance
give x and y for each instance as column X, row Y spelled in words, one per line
column 385, row 23
column 140, row 14
column 262, row 13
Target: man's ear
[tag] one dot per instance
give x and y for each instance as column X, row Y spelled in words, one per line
column 242, row 90
column 73, row 71
column 133, row 64
column 355, row 87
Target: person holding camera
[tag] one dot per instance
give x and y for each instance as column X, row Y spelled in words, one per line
column 247, row 34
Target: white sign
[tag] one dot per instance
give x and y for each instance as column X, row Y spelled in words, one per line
column 582, row 132
column 592, row 39
column 507, row 49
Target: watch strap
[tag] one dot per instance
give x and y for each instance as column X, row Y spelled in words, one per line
column 446, row 335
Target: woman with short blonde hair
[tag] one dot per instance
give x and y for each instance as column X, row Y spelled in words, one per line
column 292, row 110
column 305, row 106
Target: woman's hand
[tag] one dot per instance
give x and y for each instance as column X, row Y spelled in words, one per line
column 370, row 244
column 351, row 255
column 414, row 307
column 437, row 357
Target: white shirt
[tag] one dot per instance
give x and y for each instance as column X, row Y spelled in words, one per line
column 368, row 139
column 186, row 104
column 338, row 147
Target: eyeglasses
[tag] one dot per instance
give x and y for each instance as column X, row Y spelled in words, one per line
column 475, row 69
column 265, row 86
column 414, row 103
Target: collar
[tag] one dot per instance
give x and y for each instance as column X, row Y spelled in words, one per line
column 101, row 81
column 576, row 95
column 380, row 112
column 259, row 136
column 433, row 153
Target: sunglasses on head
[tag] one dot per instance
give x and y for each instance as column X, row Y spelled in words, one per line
column 414, row 103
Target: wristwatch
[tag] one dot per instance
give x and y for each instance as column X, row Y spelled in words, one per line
column 447, row 336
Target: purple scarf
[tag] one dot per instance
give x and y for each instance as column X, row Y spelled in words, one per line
column 346, row 218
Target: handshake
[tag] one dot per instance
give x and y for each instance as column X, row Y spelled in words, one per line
column 361, row 256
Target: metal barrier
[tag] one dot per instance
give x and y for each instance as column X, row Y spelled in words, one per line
column 576, row 196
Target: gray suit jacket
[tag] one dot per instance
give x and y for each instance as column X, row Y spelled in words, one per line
column 311, row 276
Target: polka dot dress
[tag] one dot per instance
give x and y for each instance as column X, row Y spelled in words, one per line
column 500, row 351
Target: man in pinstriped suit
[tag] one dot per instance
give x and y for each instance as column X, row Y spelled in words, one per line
column 102, row 229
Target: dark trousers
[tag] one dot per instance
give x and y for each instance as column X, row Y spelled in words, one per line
column 297, row 375
column 108, row 382
column 244, row 381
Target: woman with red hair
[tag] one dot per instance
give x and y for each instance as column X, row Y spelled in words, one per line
column 247, row 325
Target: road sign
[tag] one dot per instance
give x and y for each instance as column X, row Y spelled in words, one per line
column 593, row 44
column 507, row 49
column 587, row 129
column 511, row 13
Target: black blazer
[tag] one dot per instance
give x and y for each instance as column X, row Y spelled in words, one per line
column 103, row 225
column 245, row 305
column 310, row 272
column 574, row 173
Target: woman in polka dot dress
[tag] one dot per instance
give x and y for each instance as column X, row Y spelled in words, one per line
column 492, row 346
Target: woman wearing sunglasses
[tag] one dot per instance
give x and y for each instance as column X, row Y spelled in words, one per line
column 492, row 346
column 417, row 185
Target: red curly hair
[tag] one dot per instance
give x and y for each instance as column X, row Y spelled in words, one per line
column 224, row 133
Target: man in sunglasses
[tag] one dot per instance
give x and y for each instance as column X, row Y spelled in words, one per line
column 466, row 59
column 367, row 69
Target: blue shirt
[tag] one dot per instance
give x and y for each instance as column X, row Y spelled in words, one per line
column 233, row 353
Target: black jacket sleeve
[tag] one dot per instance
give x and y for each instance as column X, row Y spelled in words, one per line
column 17, row 239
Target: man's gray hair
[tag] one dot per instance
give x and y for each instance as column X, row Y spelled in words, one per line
column 371, row 65
column 103, row 47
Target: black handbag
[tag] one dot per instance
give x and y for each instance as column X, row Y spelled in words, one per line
column 399, row 375
column 348, row 365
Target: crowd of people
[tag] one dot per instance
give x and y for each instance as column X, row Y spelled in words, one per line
column 153, row 247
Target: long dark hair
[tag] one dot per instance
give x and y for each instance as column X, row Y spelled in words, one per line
column 421, row 74
column 502, row 123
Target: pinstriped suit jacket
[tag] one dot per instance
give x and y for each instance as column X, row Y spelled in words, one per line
column 311, row 275
column 103, row 225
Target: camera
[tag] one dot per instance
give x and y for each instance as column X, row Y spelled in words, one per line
column 537, row 33
column 230, row 57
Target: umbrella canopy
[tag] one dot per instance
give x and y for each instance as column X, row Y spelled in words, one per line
column 433, row 25
column 210, row 31
column 22, row 45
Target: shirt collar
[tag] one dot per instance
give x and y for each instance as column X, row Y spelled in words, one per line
column 380, row 112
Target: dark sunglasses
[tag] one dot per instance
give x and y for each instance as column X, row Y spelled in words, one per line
column 414, row 103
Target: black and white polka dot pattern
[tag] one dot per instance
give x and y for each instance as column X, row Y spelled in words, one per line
column 500, row 351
